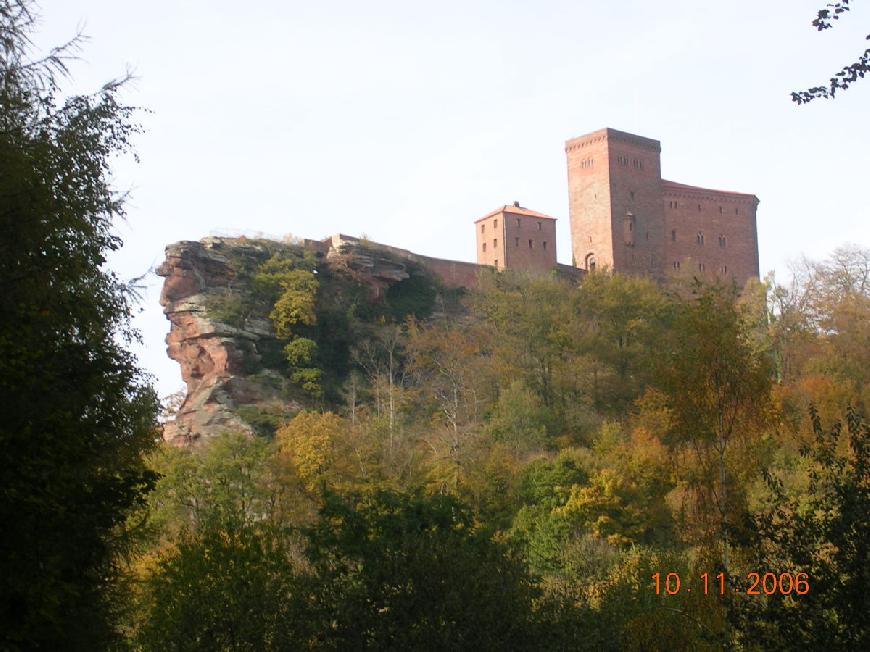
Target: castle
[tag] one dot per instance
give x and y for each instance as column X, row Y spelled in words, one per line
column 625, row 217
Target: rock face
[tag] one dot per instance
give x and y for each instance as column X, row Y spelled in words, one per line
column 220, row 331
column 216, row 357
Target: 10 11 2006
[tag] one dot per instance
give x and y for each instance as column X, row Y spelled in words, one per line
column 757, row 583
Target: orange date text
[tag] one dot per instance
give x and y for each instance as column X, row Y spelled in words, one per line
column 756, row 584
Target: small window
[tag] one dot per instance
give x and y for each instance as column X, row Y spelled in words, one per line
column 539, row 226
column 530, row 244
column 517, row 242
column 544, row 244
column 518, row 222
column 647, row 235
column 722, row 241
column 484, row 246
column 674, row 235
column 482, row 228
column 736, row 211
column 590, row 262
column 632, row 195
column 720, row 210
column 699, row 238
column 676, row 264
column 494, row 243
column 700, row 267
column 724, row 269
column 495, row 224
column 699, row 208
column 495, row 262
column 631, row 226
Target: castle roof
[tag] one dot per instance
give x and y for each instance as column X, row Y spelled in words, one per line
column 673, row 186
column 515, row 210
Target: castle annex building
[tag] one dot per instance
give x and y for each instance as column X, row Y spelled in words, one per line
column 626, row 217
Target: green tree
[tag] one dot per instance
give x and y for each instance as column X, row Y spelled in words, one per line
column 823, row 531
column 76, row 413
column 410, row 572
column 226, row 587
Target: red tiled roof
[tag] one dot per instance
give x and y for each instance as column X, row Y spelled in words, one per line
column 515, row 210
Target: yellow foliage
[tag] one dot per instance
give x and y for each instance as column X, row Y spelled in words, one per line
column 312, row 442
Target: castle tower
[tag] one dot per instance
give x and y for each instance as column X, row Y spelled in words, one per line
column 514, row 237
column 615, row 202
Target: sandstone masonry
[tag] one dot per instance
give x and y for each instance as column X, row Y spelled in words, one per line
column 625, row 217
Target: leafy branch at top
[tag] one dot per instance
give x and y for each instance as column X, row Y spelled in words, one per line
column 848, row 74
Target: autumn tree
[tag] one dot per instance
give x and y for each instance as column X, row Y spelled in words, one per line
column 823, row 530
column 76, row 413
column 715, row 387
column 292, row 286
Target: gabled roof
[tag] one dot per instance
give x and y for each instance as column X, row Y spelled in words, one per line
column 515, row 210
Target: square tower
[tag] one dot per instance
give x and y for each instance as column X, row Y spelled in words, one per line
column 514, row 237
column 614, row 192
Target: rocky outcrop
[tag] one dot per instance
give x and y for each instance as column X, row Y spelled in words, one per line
column 223, row 341
column 216, row 358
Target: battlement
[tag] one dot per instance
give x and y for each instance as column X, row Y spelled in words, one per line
column 609, row 134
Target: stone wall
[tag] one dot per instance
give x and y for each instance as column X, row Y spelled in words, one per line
column 624, row 216
column 710, row 233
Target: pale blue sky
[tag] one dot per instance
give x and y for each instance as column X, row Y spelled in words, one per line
column 407, row 120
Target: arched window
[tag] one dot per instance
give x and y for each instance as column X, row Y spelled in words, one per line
column 590, row 262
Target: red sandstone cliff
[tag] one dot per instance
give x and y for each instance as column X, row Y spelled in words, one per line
column 225, row 352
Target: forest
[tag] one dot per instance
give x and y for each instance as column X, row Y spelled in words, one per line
column 615, row 464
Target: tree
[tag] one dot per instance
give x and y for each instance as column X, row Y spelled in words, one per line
column 76, row 413
column 403, row 571
column 849, row 74
column 715, row 388
column 824, row 532
column 227, row 588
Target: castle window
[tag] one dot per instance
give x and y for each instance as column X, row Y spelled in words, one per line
column 539, row 226
column 676, row 264
column 647, row 235
column 517, row 242
column 724, row 269
column 674, row 235
column 545, row 245
column 631, row 225
column 495, row 242
column 722, row 241
column 530, row 244
column 699, row 208
column 700, row 238
column 482, row 228
column 495, row 262
column 720, row 209
column 700, row 267
column 590, row 262
column 632, row 195
column 736, row 211
column 495, row 224
column 484, row 246
column 518, row 222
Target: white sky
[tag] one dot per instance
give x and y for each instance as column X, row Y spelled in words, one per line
column 407, row 120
